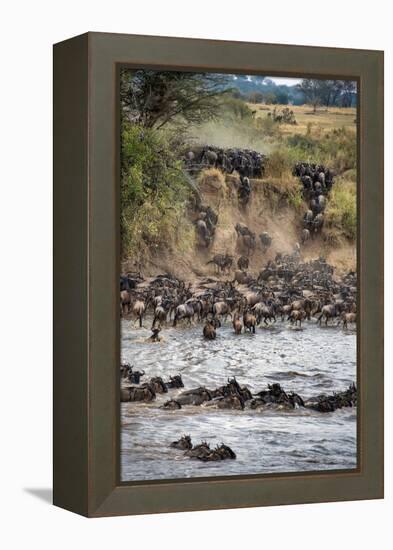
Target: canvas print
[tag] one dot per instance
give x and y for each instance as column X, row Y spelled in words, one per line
column 238, row 285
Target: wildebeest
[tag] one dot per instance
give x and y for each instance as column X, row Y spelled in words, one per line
column 329, row 403
column 264, row 311
column 237, row 324
column 195, row 396
column 221, row 452
column 233, row 401
column 160, row 315
column 243, row 263
column 145, row 393
column 175, row 382
column 138, row 309
column 222, row 262
column 155, row 337
column 247, row 237
column 184, row 443
column 347, row 318
column 318, row 223
column 266, row 241
column 184, row 311
column 305, row 236
column 199, row 451
column 307, row 219
column 249, row 321
column 297, row 316
column 209, row 332
column 223, row 309
column 158, row 384
column 328, row 311
column 242, row 277
column 203, row 232
column 209, row 157
column 134, row 376
column 171, row 405
column 125, row 302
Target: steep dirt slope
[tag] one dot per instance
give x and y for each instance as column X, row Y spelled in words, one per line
column 269, row 209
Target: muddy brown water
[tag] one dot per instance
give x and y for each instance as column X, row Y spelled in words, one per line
column 310, row 361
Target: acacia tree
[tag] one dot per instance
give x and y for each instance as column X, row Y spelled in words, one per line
column 155, row 98
column 312, row 90
column 348, row 90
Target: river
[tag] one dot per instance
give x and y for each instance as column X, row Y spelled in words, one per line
column 310, row 361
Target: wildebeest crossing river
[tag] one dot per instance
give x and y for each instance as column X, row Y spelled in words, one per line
column 309, row 362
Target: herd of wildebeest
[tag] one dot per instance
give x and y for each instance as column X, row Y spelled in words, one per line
column 286, row 289
column 316, row 180
column 231, row 396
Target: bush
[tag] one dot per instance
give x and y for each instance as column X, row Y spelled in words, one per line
column 237, row 109
column 267, row 126
column 154, row 190
column 279, row 163
column 341, row 209
column 211, row 179
column 337, row 149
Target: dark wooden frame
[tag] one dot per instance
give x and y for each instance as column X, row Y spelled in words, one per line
column 86, row 265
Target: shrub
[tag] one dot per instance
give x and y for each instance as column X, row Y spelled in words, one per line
column 279, row 163
column 337, row 148
column 341, row 209
column 212, row 179
column 236, row 109
column 154, row 190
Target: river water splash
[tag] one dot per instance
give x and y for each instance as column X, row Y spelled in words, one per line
column 310, row 361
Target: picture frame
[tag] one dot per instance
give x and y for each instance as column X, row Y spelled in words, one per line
column 86, row 272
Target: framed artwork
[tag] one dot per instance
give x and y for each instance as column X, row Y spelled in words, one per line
column 218, row 274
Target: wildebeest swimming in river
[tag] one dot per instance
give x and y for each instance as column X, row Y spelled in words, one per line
column 275, row 395
column 196, row 396
column 145, row 393
column 233, row 402
column 134, row 376
column 203, row 451
column 329, row 403
column 221, row 452
column 175, row 382
column 171, row 405
column 184, row 443
column 199, row 451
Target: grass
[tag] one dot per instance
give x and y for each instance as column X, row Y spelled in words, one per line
column 322, row 121
column 340, row 215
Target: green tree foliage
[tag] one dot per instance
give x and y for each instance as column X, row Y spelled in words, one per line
column 336, row 148
column 154, row 189
column 281, row 97
column 328, row 92
column 256, row 97
column 154, row 99
column 312, row 90
column 236, row 109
